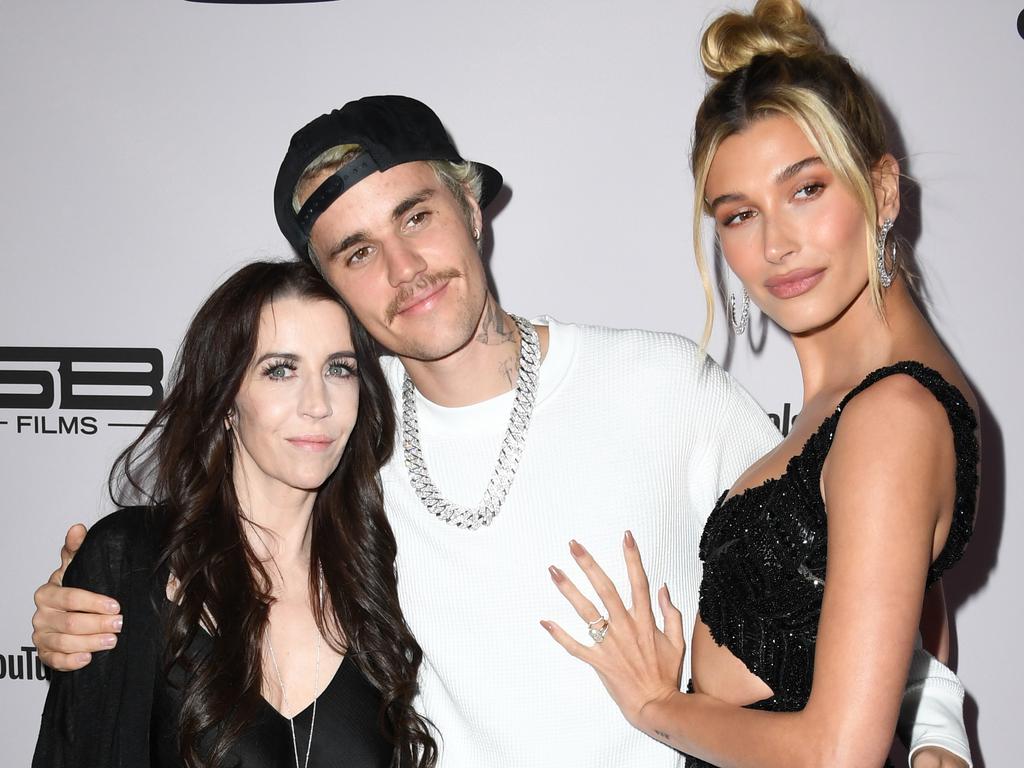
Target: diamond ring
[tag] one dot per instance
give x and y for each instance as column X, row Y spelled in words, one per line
column 597, row 629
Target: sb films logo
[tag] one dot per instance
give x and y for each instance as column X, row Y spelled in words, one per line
column 62, row 382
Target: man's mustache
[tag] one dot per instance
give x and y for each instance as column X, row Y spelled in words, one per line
column 422, row 284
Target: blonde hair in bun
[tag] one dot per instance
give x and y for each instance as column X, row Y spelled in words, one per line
column 775, row 26
column 774, row 62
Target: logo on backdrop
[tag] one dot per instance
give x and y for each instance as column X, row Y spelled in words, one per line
column 44, row 390
column 1020, row 24
column 785, row 419
column 25, row 665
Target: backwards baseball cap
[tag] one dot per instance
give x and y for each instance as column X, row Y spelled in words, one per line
column 391, row 130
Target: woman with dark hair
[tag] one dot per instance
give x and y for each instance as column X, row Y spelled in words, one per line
column 817, row 560
column 261, row 618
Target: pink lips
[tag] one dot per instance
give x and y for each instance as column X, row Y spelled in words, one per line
column 795, row 283
column 313, row 443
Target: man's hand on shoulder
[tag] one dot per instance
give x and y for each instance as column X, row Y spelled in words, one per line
column 70, row 624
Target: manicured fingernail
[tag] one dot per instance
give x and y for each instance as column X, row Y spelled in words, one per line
column 556, row 574
column 629, row 540
column 665, row 588
column 83, row 658
column 546, row 624
column 576, row 548
column 112, row 606
column 117, row 623
column 108, row 641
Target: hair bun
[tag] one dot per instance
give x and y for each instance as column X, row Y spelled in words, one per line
column 774, row 26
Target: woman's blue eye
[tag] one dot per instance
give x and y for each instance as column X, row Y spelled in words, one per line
column 278, row 370
column 341, row 368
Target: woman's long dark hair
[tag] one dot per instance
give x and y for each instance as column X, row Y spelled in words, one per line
column 183, row 461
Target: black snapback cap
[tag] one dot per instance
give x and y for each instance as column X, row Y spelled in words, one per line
column 391, row 130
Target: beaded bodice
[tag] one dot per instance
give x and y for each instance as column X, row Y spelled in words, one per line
column 764, row 550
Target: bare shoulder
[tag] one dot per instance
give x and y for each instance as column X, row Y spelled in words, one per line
column 898, row 402
column 893, row 440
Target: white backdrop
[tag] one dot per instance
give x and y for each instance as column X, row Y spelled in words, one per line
column 139, row 142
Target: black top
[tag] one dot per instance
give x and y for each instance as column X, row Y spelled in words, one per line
column 764, row 551
column 122, row 711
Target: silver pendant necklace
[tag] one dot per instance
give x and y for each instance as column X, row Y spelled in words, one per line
column 511, row 446
column 316, row 686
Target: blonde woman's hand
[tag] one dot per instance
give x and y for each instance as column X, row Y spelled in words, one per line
column 637, row 662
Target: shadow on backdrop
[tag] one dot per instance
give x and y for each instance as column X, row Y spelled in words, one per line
column 971, row 574
column 496, row 206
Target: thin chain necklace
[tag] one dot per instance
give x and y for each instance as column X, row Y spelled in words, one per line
column 511, row 446
column 316, row 686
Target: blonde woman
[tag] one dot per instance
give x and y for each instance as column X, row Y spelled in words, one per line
column 817, row 561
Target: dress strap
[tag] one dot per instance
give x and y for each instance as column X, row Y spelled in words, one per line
column 951, row 398
column 964, row 423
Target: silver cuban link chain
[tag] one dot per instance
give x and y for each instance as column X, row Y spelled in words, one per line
column 511, row 446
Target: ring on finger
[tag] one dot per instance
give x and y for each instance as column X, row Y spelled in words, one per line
column 598, row 628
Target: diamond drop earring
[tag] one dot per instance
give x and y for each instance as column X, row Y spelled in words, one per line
column 739, row 324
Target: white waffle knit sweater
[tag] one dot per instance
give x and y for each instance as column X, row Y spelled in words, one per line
column 629, row 431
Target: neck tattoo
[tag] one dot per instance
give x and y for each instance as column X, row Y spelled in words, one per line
column 512, row 445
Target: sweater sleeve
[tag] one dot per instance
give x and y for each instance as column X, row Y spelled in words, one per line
column 82, row 723
column 932, row 713
column 737, row 432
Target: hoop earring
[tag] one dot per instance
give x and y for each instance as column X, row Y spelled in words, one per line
column 885, row 276
column 739, row 326
column 476, row 234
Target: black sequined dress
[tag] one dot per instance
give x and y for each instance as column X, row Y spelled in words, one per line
column 764, row 552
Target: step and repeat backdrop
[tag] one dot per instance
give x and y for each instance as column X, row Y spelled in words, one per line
column 139, row 144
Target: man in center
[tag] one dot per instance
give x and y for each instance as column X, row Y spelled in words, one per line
column 620, row 429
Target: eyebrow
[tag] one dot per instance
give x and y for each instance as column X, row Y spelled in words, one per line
column 729, row 197
column 781, row 177
column 293, row 358
column 411, row 202
column 789, row 172
column 402, row 208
